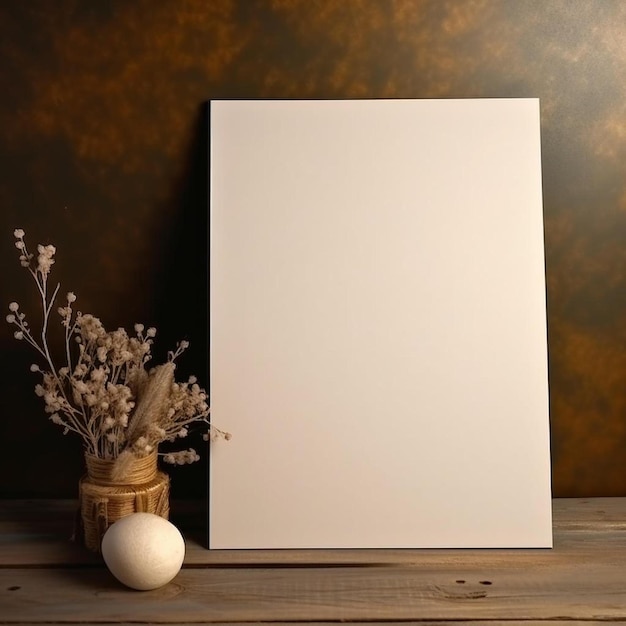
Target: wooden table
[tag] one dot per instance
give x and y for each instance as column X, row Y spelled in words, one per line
column 47, row 579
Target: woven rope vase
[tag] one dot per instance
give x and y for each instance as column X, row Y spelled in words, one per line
column 102, row 501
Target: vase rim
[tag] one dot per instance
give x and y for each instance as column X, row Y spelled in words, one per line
column 139, row 470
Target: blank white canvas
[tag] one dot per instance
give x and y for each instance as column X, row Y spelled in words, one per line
column 378, row 325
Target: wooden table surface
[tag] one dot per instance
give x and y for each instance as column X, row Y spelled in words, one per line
column 46, row 579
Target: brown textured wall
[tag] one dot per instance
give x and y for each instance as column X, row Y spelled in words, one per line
column 103, row 153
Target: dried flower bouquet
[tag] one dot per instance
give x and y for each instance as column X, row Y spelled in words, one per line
column 104, row 391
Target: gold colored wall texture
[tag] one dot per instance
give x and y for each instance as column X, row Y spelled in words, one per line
column 103, row 153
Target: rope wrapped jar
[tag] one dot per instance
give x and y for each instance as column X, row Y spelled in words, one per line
column 103, row 500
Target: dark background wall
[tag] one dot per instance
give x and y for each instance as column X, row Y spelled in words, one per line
column 103, row 153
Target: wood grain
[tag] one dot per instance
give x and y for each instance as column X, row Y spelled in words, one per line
column 505, row 591
column 37, row 533
column 46, row 579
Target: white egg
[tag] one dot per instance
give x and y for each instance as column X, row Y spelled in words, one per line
column 143, row 551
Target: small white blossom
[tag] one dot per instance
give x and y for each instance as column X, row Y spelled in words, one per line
column 98, row 375
column 182, row 457
column 215, row 433
column 45, row 259
column 104, row 391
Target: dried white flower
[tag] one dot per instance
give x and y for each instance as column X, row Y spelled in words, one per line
column 103, row 391
column 182, row 457
column 215, row 433
column 45, row 259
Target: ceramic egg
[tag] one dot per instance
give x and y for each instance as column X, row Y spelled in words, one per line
column 143, row 551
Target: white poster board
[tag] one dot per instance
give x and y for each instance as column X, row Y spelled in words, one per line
column 378, row 325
